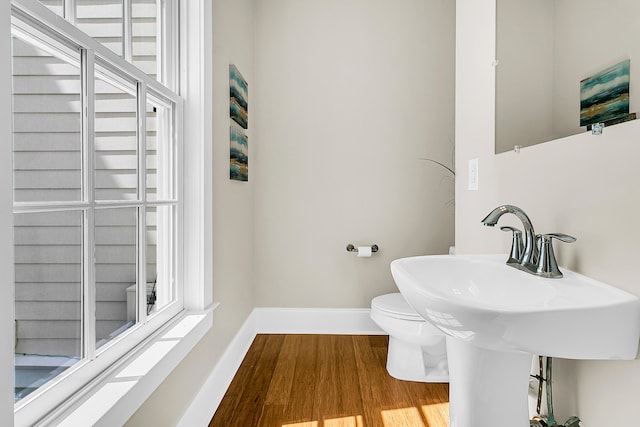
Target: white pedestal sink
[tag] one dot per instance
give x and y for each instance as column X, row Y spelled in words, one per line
column 497, row 317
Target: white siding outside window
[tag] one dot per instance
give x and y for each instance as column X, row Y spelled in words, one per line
column 97, row 212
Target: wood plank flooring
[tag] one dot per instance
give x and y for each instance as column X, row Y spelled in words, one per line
column 326, row 381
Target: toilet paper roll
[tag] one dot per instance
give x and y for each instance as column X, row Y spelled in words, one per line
column 364, row 251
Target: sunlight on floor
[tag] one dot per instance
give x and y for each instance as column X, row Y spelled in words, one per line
column 436, row 410
column 402, row 417
column 355, row 421
column 303, row 424
column 345, row 422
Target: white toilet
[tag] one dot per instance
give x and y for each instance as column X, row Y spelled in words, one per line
column 417, row 350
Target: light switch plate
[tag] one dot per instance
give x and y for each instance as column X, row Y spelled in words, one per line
column 473, row 174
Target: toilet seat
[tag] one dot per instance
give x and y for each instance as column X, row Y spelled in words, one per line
column 394, row 305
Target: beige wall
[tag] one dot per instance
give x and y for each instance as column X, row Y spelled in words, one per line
column 350, row 96
column 584, row 185
column 525, row 53
column 232, row 224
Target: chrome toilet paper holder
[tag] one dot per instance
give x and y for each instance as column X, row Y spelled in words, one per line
column 351, row 248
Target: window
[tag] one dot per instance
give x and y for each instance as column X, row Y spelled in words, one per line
column 130, row 28
column 97, row 208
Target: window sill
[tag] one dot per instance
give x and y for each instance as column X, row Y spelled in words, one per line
column 114, row 398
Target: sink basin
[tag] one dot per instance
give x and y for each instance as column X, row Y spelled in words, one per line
column 480, row 300
column 496, row 317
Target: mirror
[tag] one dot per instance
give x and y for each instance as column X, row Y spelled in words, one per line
column 544, row 49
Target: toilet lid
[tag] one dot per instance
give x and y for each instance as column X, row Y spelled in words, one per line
column 395, row 305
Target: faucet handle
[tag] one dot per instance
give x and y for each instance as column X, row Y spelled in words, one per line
column 561, row 236
column 517, row 247
column 547, row 264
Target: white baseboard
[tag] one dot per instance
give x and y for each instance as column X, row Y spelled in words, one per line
column 207, row 400
column 344, row 321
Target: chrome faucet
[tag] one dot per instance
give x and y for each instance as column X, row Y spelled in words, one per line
column 530, row 255
column 540, row 261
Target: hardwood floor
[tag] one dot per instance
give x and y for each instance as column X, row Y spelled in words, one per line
column 326, row 381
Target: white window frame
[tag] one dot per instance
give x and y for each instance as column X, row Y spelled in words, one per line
column 7, row 331
column 196, row 318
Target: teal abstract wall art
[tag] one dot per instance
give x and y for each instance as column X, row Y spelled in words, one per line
column 238, row 140
column 238, row 97
column 605, row 95
column 238, row 154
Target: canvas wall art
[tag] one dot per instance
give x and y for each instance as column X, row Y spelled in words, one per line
column 239, row 96
column 238, row 140
column 605, row 96
column 238, row 154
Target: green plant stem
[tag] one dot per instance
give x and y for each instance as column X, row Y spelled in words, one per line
column 441, row 164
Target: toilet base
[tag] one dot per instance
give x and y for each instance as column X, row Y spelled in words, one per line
column 410, row 362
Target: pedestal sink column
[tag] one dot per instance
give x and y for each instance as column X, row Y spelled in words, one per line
column 487, row 388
